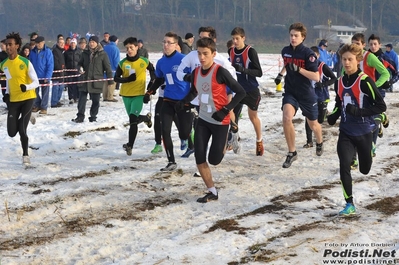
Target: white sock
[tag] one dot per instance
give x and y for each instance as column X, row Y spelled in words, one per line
column 213, row 190
column 259, row 140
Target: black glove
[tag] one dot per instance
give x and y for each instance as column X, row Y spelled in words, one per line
column 187, row 77
column 332, row 118
column 220, row 114
column 239, row 68
column 132, row 77
column 6, row 98
column 318, row 85
column 293, row 67
column 277, row 80
column 179, row 106
column 353, row 110
column 23, row 87
column 146, row 98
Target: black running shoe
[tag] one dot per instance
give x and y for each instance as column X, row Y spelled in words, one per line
column 233, row 126
column 380, row 131
column 128, row 149
column 308, row 145
column 291, row 157
column 208, row 197
column 319, row 149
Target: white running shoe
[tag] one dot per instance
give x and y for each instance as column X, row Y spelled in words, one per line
column 26, row 160
column 235, row 143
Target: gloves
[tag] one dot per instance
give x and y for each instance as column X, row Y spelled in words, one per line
column 318, row 85
column 220, row 114
column 293, row 67
column 353, row 110
column 132, row 77
column 277, row 80
column 187, row 77
column 23, row 87
column 6, row 98
column 146, row 98
column 179, row 106
column 333, row 117
column 239, row 68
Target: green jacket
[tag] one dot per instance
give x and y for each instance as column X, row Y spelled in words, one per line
column 95, row 70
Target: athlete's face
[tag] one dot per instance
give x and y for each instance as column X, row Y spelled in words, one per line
column 169, row 45
column 238, row 41
column 131, row 49
column 374, row 45
column 358, row 42
column 11, row 48
column 349, row 62
column 296, row 38
column 205, row 56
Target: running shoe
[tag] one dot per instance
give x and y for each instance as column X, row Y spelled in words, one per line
column 26, row 160
column 128, row 149
column 348, row 210
column 188, row 153
column 157, row 149
column 319, row 149
column 308, row 145
column 259, row 148
column 385, row 120
column 235, row 143
column 183, row 144
column 169, row 167
column 208, row 197
column 148, row 122
column 291, row 157
column 354, row 164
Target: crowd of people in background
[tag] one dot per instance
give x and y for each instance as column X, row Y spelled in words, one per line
column 205, row 94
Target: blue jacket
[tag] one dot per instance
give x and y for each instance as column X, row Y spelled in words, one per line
column 42, row 61
column 113, row 54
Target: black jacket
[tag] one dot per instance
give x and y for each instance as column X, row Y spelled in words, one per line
column 59, row 62
column 72, row 58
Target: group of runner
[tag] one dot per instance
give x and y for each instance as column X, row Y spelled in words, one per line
column 218, row 87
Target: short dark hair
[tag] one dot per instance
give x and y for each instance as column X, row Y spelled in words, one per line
column 206, row 43
column 238, row 31
column 359, row 37
column 210, row 30
column 130, row 40
column 17, row 38
column 173, row 35
column 315, row 49
column 374, row 37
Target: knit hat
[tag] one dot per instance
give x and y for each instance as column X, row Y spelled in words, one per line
column 113, row 38
column 74, row 40
column 140, row 41
column 94, row 38
column 188, row 35
column 389, row 45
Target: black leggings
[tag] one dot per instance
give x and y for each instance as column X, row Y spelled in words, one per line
column 157, row 121
column 203, row 132
column 346, row 147
column 185, row 119
column 322, row 107
column 18, row 120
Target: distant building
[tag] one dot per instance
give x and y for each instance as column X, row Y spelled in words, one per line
column 336, row 34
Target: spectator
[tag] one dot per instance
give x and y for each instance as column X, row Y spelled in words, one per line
column 43, row 62
column 187, row 43
column 59, row 66
column 324, row 57
column 92, row 65
column 114, row 57
column 142, row 51
column 72, row 57
column 105, row 41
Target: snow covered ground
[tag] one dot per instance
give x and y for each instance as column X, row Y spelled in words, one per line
column 84, row 201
